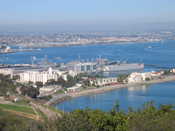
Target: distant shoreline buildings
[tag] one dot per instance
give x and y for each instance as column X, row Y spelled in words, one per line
column 74, row 39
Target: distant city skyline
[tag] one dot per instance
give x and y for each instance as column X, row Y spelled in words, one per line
column 86, row 15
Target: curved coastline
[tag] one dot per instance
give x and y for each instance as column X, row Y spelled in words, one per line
column 61, row 98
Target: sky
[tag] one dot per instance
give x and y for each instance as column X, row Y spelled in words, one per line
column 84, row 14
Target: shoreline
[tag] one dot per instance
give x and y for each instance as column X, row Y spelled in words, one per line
column 59, row 99
column 87, row 44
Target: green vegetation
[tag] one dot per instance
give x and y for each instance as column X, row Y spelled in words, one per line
column 12, row 122
column 30, row 91
column 149, row 118
column 16, row 77
column 25, row 109
column 24, row 117
column 7, row 86
column 22, row 101
column 39, row 84
column 60, row 91
column 122, row 78
column 71, row 81
column 47, row 98
column 167, row 72
column 147, row 79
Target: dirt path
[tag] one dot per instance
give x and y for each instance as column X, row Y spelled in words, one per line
column 51, row 115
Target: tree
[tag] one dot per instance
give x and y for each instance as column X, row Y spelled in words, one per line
column 39, row 84
column 122, row 78
column 30, row 91
column 6, row 85
column 51, row 82
column 16, row 77
column 167, row 72
column 147, row 79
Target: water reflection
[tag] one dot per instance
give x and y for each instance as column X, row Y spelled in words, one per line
column 142, row 88
column 135, row 97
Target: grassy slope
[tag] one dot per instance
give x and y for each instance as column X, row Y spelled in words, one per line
column 24, row 109
column 12, row 122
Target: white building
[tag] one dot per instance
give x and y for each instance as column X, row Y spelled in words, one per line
column 39, row 76
column 135, row 77
column 140, row 77
column 147, row 75
column 104, row 81
column 75, row 88
column 72, row 73
column 6, row 71
column 64, row 77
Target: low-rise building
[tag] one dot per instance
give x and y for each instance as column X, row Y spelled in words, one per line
column 147, row 75
column 103, row 81
column 6, row 71
column 140, row 77
column 75, row 88
column 135, row 77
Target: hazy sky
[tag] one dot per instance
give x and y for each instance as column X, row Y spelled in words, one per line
column 84, row 13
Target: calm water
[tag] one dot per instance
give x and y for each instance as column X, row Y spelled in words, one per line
column 150, row 53
column 135, row 97
column 159, row 53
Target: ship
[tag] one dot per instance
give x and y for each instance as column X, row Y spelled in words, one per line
column 102, row 65
column 121, row 67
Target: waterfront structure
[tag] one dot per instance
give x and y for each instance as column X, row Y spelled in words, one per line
column 140, row 77
column 39, row 76
column 45, row 90
column 104, row 81
column 82, row 67
column 102, row 65
column 135, row 77
column 49, row 90
column 75, row 88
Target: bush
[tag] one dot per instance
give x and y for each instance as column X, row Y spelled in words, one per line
column 147, row 79
column 30, row 91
